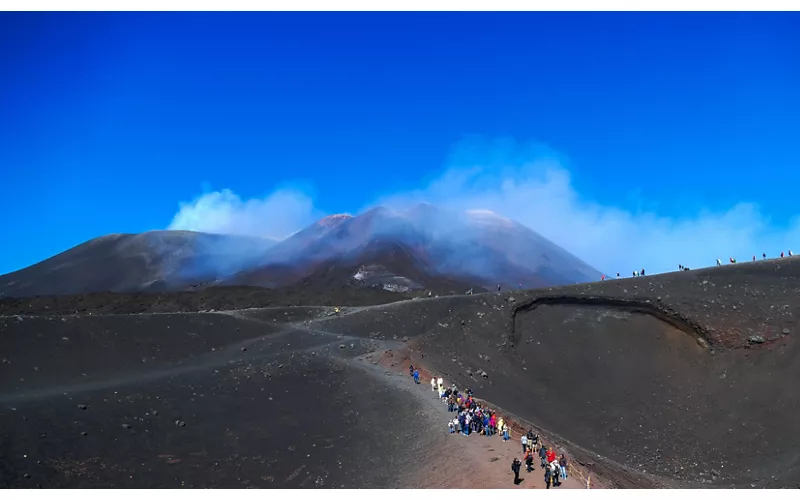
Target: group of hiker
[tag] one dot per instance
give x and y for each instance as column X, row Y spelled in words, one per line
column 472, row 417
column 681, row 267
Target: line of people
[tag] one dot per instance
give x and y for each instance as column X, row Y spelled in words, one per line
column 471, row 417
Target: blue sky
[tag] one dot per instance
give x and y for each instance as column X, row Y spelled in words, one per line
column 661, row 130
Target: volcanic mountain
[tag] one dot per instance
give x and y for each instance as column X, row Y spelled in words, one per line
column 154, row 261
column 420, row 247
column 477, row 247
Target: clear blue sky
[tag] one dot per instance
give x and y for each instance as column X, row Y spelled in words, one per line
column 109, row 120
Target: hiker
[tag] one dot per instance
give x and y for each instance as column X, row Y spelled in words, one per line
column 543, row 455
column 719, row 262
column 529, row 460
column 680, row 267
column 634, row 274
column 602, row 277
column 433, row 384
column 515, row 466
column 763, row 256
column 547, row 476
column 617, row 275
column 534, row 441
column 551, row 456
column 754, row 258
column 790, row 253
column 440, row 383
column 562, row 462
column 554, row 474
column 733, row 261
column 781, row 255
column 451, row 426
column 410, row 370
column 642, row 273
column 416, row 376
column 524, row 440
column 506, row 435
column 498, row 288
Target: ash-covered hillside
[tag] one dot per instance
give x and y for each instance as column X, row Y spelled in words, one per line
column 418, row 248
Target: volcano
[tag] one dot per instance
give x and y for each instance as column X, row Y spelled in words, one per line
column 477, row 248
column 418, row 247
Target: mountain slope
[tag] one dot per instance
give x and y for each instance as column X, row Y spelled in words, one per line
column 156, row 260
column 476, row 248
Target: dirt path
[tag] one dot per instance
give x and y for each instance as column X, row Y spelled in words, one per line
column 455, row 460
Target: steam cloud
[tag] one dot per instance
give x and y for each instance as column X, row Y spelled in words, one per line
column 275, row 216
column 530, row 184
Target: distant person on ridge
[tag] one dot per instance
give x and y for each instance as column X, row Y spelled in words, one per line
column 498, row 288
column 617, row 275
column 763, row 256
column 781, row 255
column 790, row 253
column 642, row 272
column 602, row 277
column 754, row 258
column 410, row 370
column 719, row 262
column 416, row 376
column 680, row 267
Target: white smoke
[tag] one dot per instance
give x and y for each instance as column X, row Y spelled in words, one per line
column 530, row 184
column 277, row 215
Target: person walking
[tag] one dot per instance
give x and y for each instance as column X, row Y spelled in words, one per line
column 551, row 456
column 524, row 440
column 433, row 384
column 543, row 455
column 515, row 466
column 506, row 435
column 554, row 474
column 529, row 459
column 562, row 462
column 416, row 376
column 547, row 477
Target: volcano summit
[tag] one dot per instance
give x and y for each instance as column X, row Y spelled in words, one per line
column 420, row 247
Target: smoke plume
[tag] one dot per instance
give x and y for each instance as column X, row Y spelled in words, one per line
column 529, row 183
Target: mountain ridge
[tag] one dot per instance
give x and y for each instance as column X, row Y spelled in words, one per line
column 476, row 248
